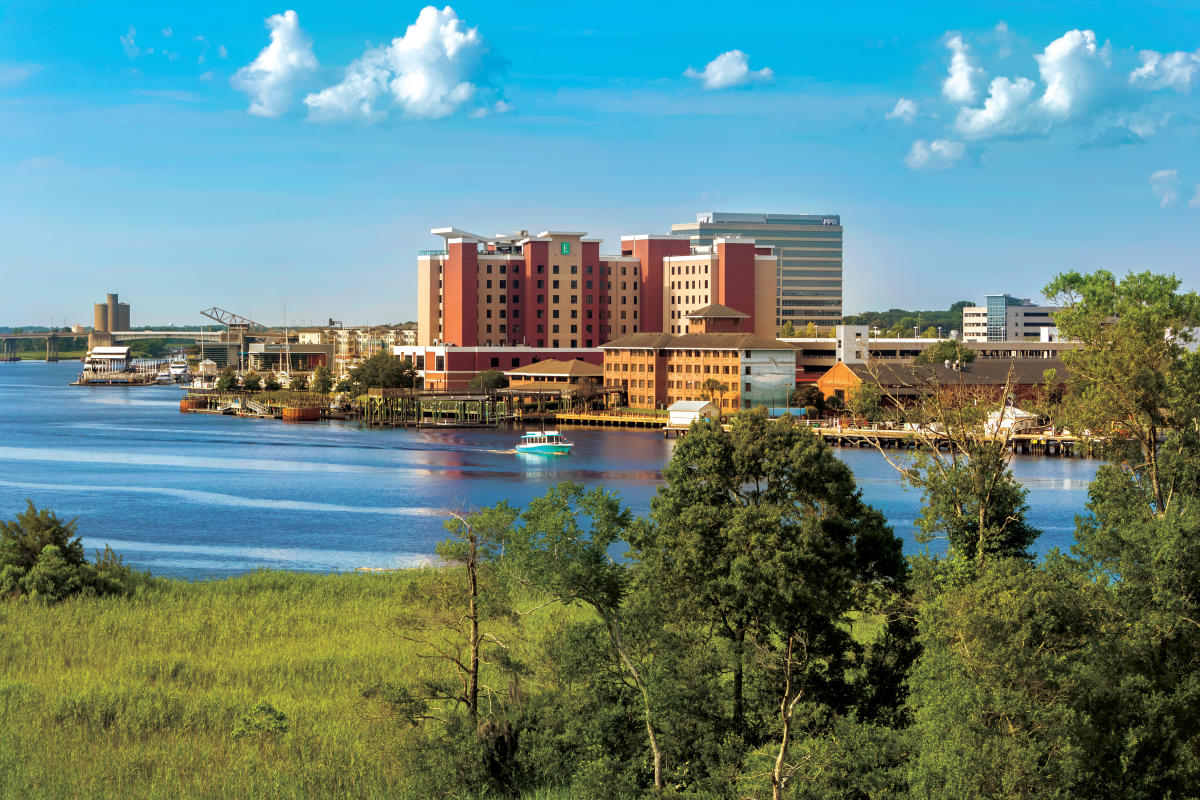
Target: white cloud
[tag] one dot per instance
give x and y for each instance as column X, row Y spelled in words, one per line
column 129, row 45
column 1073, row 69
column 438, row 66
column 1195, row 201
column 1165, row 184
column 1178, row 70
column 222, row 52
column 206, row 76
column 1003, row 113
column 166, row 32
column 905, row 111
column 272, row 79
column 15, row 73
column 961, row 86
column 938, row 154
column 727, row 70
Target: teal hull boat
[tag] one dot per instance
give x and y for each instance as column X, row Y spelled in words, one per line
column 546, row 443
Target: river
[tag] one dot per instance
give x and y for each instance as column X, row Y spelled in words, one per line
column 197, row 496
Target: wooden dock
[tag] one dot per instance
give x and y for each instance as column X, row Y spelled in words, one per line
column 612, row 419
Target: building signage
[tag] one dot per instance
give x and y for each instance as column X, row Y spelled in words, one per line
column 829, row 221
column 565, row 248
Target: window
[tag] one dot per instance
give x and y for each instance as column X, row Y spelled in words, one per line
column 553, row 284
column 516, row 362
column 747, row 370
column 503, row 284
column 574, row 269
column 747, row 387
column 554, row 269
column 495, row 362
column 541, row 284
column 489, row 281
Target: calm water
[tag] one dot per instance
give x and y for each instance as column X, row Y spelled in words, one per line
column 194, row 495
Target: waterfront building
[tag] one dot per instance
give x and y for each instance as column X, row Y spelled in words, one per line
column 902, row 380
column 808, row 249
column 1004, row 318
column 556, row 290
column 445, row 366
column 659, row 369
column 292, row 357
column 553, row 373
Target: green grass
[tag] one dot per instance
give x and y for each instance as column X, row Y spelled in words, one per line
column 139, row 698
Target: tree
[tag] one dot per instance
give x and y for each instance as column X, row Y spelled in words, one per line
column 867, row 402
column 559, row 556
column 322, row 380
column 810, row 330
column 788, row 330
column 23, row 538
column 382, row 371
column 271, row 383
column 1133, row 334
column 714, row 389
column 227, row 381
column 760, row 532
column 251, row 382
column 946, row 350
column 929, row 333
column 298, row 383
column 488, row 380
column 806, row 395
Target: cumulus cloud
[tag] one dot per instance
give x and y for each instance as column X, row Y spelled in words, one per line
column 961, row 85
column 437, row 67
column 938, row 154
column 1178, row 70
column 1073, row 68
column 727, row 70
column 1165, row 185
column 905, row 111
column 15, row 73
column 272, row 78
column 1001, row 113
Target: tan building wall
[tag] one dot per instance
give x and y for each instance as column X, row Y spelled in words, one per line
column 658, row 378
column 429, row 298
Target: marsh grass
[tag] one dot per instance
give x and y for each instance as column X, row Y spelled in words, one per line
column 140, row 697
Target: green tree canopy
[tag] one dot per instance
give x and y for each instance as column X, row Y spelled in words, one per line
column 322, row 380
column 382, row 371
column 487, row 380
column 227, row 381
column 947, row 350
column 251, row 382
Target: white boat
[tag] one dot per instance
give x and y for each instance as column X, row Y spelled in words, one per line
column 178, row 370
column 546, row 443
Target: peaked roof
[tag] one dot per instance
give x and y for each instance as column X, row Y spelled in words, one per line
column 716, row 311
column 689, row 405
column 553, row 366
column 695, row 341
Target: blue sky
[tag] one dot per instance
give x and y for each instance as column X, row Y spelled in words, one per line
column 235, row 154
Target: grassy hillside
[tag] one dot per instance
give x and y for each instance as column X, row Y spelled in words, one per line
column 141, row 698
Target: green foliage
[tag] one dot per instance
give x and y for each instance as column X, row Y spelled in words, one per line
column 251, row 382
column 264, row 720
column 298, row 383
column 322, row 380
column 487, row 380
column 227, row 381
column 946, row 350
column 23, row 538
column 788, row 331
column 897, row 321
column 271, row 383
column 1126, row 377
column 149, row 348
column 808, row 395
column 381, row 371
column 867, row 402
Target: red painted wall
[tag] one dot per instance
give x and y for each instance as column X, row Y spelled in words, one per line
column 651, row 253
column 736, row 265
column 460, row 294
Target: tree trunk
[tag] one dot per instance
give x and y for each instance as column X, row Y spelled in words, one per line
column 739, row 711
column 473, row 615
column 786, row 707
column 614, row 634
column 1152, row 461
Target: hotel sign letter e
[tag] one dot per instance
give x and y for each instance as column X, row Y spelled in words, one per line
column 565, row 248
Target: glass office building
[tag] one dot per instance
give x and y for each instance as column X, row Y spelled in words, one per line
column 808, row 286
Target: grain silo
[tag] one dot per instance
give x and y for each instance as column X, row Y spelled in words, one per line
column 122, row 317
column 113, row 311
column 100, row 318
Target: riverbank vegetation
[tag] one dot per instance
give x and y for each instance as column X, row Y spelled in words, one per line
column 761, row 637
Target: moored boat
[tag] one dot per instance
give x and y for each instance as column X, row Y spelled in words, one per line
column 547, row 443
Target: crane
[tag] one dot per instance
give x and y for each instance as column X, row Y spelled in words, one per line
column 230, row 319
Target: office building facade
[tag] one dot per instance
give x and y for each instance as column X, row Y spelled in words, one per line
column 1004, row 318
column 808, row 251
column 556, row 290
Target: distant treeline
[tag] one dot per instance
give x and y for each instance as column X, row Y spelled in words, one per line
column 902, row 321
